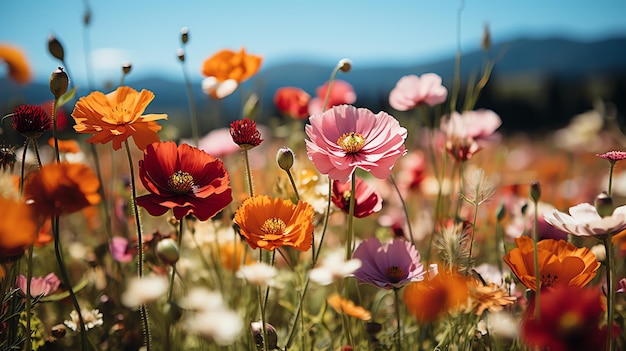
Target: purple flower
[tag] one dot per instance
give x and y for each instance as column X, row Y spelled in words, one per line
column 388, row 266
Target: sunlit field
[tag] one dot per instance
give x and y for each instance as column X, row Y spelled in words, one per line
column 326, row 225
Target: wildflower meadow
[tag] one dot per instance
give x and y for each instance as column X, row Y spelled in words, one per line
column 328, row 226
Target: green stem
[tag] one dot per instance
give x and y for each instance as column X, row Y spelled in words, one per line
column 54, row 130
column 612, row 164
column 142, row 309
column 192, row 106
column 248, row 172
column 610, row 279
column 66, row 281
column 36, row 149
column 293, row 185
column 536, row 262
column 469, row 255
column 406, row 211
column 349, row 240
column 326, row 218
column 29, row 299
column 397, row 306
column 23, row 170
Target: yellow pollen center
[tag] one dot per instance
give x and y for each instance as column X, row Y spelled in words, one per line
column 273, row 226
column 351, row 142
column 118, row 115
column 180, row 182
column 395, row 274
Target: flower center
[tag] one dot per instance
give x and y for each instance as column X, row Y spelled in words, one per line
column 273, row 226
column 394, row 273
column 180, row 182
column 569, row 322
column 351, row 142
column 549, row 280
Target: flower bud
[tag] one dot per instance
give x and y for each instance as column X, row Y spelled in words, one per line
column 486, row 42
column 184, row 35
column 55, row 48
column 181, row 54
column 167, row 251
column 345, row 65
column 500, row 212
column 126, row 67
column 7, row 157
column 284, row 158
column 270, row 332
column 535, row 191
column 59, row 81
column 87, row 17
column 604, row 204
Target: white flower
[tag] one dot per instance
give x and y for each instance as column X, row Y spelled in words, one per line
column 584, row 220
column 91, row 318
column 210, row 318
column 141, row 291
column 334, row 268
column 258, row 274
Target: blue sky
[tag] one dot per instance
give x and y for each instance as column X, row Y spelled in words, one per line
column 147, row 32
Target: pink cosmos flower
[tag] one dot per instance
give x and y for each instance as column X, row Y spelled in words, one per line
column 412, row 91
column 293, row 102
column 366, row 201
column 388, row 266
column 341, row 93
column 39, row 285
column 345, row 137
column 465, row 132
column 613, row 156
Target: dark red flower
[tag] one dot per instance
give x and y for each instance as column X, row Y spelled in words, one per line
column 245, row 133
column 366, row 202
column 184, row 179
column 31, row 121
column 569, row 320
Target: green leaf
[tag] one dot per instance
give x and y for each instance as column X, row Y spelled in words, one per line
column 66, row 97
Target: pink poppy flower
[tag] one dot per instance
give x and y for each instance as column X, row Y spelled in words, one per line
column 218, row 143
column 412, row 91
column 293, row 102
column 465, row 132
column 341, row 93
column 39, row 285
column 366, row 201
column 345, row 137
column 388, row 266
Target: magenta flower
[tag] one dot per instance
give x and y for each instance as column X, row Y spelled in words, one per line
column 621, row 286
column 388, row 266
column 341, row 92
column 366, row 201
column 39, row 285
column 613, row 156
column 344, row 138
column 412, row 91
column 120, row 249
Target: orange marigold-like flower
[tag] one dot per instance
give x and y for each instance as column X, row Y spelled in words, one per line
column 270, row 223
column 429, row 299
column 489, row 297
column 66, row 146
column 559, row 263
column 18, row 227
column 117, row 116
column 226, row 70
column 62, row 188
column 17, row 63
column 347, row 307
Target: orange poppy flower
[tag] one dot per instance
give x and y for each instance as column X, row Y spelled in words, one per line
column 559, row 263
column 226, row 70
column 17, row 63
column 429, row 299
column 61, row 188
column 232, row 254
column 117, row 116
column 66, row 146
column 347, row 307
column 271, row 223
column 18, row 227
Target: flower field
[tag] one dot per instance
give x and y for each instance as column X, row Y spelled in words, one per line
column 327, row 227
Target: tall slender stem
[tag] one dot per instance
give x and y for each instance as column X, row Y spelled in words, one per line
column 248, row 172
column 29, row 299
column 610, row 282
column 192, row 106
column 23, row 168
column 397, row 306
column 293, row 185
column 612, row 164
column 143, row 309
column 350, row 236
column 54, row 129
column 536, row 263
column 66, row 280
column 406, row 211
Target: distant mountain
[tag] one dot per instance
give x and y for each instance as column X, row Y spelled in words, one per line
column 536, row 83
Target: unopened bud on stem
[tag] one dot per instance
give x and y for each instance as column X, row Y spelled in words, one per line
column 284, row 158
column 184, row 35
column 604, row 204
column 535, row 191
column 59, row 81
column 55, row 48
column 345, row 65
column 126, row 67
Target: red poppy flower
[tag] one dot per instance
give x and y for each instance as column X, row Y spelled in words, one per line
column 184, row 179
column 293, row 102
column 366, row 201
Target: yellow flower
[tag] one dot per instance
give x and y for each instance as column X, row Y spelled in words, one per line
column 117, row 116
